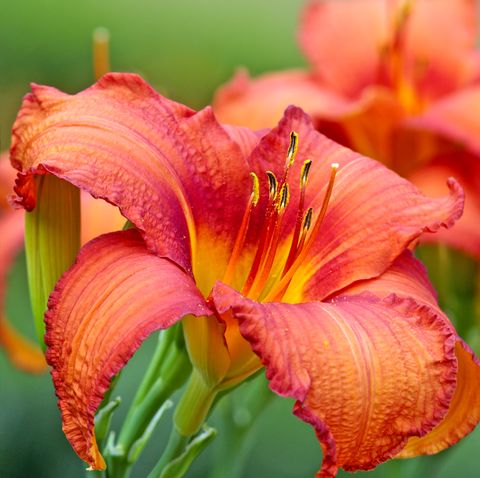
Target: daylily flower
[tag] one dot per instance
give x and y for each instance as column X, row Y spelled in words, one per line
column 278, row 248
column 398, row 81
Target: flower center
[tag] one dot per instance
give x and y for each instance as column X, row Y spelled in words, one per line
column 259, row 283
column 402, row 74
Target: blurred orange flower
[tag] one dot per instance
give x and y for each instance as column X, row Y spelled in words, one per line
column 395, row 80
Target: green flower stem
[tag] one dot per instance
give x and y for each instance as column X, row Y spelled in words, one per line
column 194, row 406
column 52, row 240
column 189, row 416
column 175, row 447
column 168, row 371
column 167, row 339
column 238, row 415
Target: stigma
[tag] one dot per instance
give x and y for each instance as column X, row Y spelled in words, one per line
column 267, row 279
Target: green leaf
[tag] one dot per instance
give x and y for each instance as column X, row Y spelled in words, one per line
column 180, row 465
column 103, row 418
column 139, row 444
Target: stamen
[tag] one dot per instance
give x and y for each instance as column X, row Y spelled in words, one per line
column 304, row 173
column 242, row 233
column 292, row 149
column 298, row 225
column 255, row 189
column 291, row 154
column 101, row 54
column 272, row 185
column 268, row 257
column 281, row 286
column 284, row 197
column 326, row 200
column 308, row 220
column 271, row 213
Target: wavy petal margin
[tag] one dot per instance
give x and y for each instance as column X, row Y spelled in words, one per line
column 115, row 295
column 331, row 358
column 464, row 412
column 430, row 179
column 110, row 140
column 408, row 278
column 169, row 170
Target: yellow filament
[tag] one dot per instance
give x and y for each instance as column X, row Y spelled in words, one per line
column 282, row 285
column 242, row 233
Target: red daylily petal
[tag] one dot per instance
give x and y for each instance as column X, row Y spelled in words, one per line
column 455, row 118
column 407, row 277
column 364, row 125
column 438, row 66
column 22, row 353
column 258, row 103
column 168, row 169
column 372, row 216
column 363, row 30
column 331, row 358
column 102, row 309
column 430, row 179
column 343, row 41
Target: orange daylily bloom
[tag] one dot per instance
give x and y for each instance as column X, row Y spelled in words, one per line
column 98, row 218
column 307, row 273
column 398, row 81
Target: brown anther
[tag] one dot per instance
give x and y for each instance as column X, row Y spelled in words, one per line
column 292, row 149
column 272, row 185
column 304, row 173
column 307, row 222
column 284, row 197
column 255, row 189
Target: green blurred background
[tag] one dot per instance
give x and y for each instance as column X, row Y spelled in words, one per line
column 185, row 49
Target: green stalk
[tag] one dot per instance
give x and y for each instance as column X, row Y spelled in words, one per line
column 168, row 371
column 183, row 446
column 238, row 415
column 175, row 446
